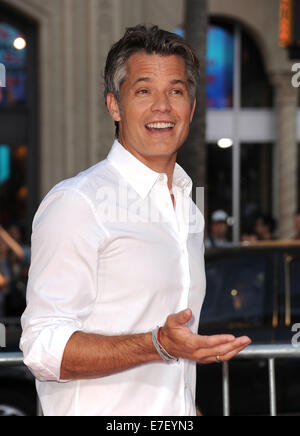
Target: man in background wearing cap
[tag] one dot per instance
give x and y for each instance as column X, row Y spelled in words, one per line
column 217, row 236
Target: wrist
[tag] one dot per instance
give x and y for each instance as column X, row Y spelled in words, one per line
column 161, row 350
column 151, row 352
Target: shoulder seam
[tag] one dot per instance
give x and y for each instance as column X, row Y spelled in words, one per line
column 62, row 189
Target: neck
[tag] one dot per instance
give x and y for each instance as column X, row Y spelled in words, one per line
column 161, row 164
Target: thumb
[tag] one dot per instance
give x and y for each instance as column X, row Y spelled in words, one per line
column 183, row 317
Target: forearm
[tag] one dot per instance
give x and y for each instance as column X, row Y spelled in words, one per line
column 93, row 356
column 11, row 243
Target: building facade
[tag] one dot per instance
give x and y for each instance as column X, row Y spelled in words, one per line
column 70, row 129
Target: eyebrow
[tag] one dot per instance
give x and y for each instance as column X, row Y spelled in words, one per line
column 142, row 79
column 179, row 82
column 172, row 82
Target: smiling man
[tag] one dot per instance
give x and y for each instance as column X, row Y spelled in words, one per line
column 155, row 110
column 113, row 303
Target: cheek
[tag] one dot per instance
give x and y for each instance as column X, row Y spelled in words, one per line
column 134, row 113
column 186, row 113
column 186, row 123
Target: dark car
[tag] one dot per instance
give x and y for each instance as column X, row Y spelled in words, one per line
column 252, row 290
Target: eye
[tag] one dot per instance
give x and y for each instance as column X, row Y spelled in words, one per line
column 177, row 91
column 142, row 91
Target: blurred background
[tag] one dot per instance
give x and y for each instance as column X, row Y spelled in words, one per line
column 244, row 143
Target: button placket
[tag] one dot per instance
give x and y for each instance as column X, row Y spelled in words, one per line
column 164, row 201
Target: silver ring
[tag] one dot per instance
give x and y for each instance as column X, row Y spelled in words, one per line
column 218, row 359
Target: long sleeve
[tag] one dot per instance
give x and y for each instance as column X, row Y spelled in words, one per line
column 62, row 285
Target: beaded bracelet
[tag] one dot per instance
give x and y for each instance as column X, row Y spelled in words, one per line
column 159, row 348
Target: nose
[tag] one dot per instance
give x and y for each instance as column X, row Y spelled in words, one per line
column 161, row 103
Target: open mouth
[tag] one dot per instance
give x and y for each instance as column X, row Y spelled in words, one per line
column 159, row 127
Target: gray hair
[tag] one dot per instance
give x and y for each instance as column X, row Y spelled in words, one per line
column 151, row 41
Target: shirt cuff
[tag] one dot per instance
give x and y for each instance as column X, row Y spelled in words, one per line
column 44, row 356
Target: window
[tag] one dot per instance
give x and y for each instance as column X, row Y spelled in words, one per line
column 256, row 181
column 13, row 183
column 18, row 120
column 219, row 178
column 219, row 67
column 13, row 55
column 236, row 291
column 256, row 91
column 231, row 48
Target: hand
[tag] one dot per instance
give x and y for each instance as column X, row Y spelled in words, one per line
column 179, row 341
column 3, row 284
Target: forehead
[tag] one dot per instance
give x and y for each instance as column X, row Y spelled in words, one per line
column 155, row 66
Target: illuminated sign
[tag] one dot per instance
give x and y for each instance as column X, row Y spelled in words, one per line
column 286, row 23
column 4, row 165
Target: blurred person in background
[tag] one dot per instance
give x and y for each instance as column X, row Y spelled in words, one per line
column 217, row 236
column 265, row 226
column 17, row 261
column 248, row 234
column 4, row 276
column 297, row 225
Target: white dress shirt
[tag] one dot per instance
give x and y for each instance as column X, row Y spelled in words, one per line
column 111, row 255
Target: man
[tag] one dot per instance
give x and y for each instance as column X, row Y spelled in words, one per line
column 113, row 256
column 264, row 227
column 297, row 225
column 16, row 263
column 4, row 276
column 217, row 236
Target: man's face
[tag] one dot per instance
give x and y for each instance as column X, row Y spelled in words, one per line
column 155, row 111
column 219, row 229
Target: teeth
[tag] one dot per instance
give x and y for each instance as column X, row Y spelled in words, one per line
column 160, row 125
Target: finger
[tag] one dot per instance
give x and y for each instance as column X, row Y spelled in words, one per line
column 224, row 358
column 212, row 341
column 224, row 349
column 232, row 354
column 180, row 318
column 224, row 354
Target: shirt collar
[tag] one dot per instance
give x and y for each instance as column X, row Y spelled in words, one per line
column 182, row 180
column 141, row 177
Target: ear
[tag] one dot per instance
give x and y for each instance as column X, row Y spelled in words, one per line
column 193, row 110
column 113, row 107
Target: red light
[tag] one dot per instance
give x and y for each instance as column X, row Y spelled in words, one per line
column 285, row 23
